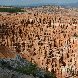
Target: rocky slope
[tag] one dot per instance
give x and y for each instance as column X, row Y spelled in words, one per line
column 21, row 68
column 8, row 66
column 5, row 73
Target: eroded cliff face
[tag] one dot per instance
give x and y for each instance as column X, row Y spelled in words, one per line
column 6, row 52
column 50, row 40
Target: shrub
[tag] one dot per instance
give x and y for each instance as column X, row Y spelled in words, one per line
column 27, row 69
column 49, row 75
column 11, row 10
column 35, row 71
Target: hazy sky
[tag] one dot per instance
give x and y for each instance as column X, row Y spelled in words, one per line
column 30, row 2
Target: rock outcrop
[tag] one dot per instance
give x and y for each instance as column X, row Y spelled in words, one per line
column 48, row 39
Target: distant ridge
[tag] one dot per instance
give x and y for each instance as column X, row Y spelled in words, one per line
column 70, row 5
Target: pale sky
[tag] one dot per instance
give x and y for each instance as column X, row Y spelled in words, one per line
column 30, row 2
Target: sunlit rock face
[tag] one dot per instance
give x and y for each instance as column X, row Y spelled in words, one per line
column 47, row 39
